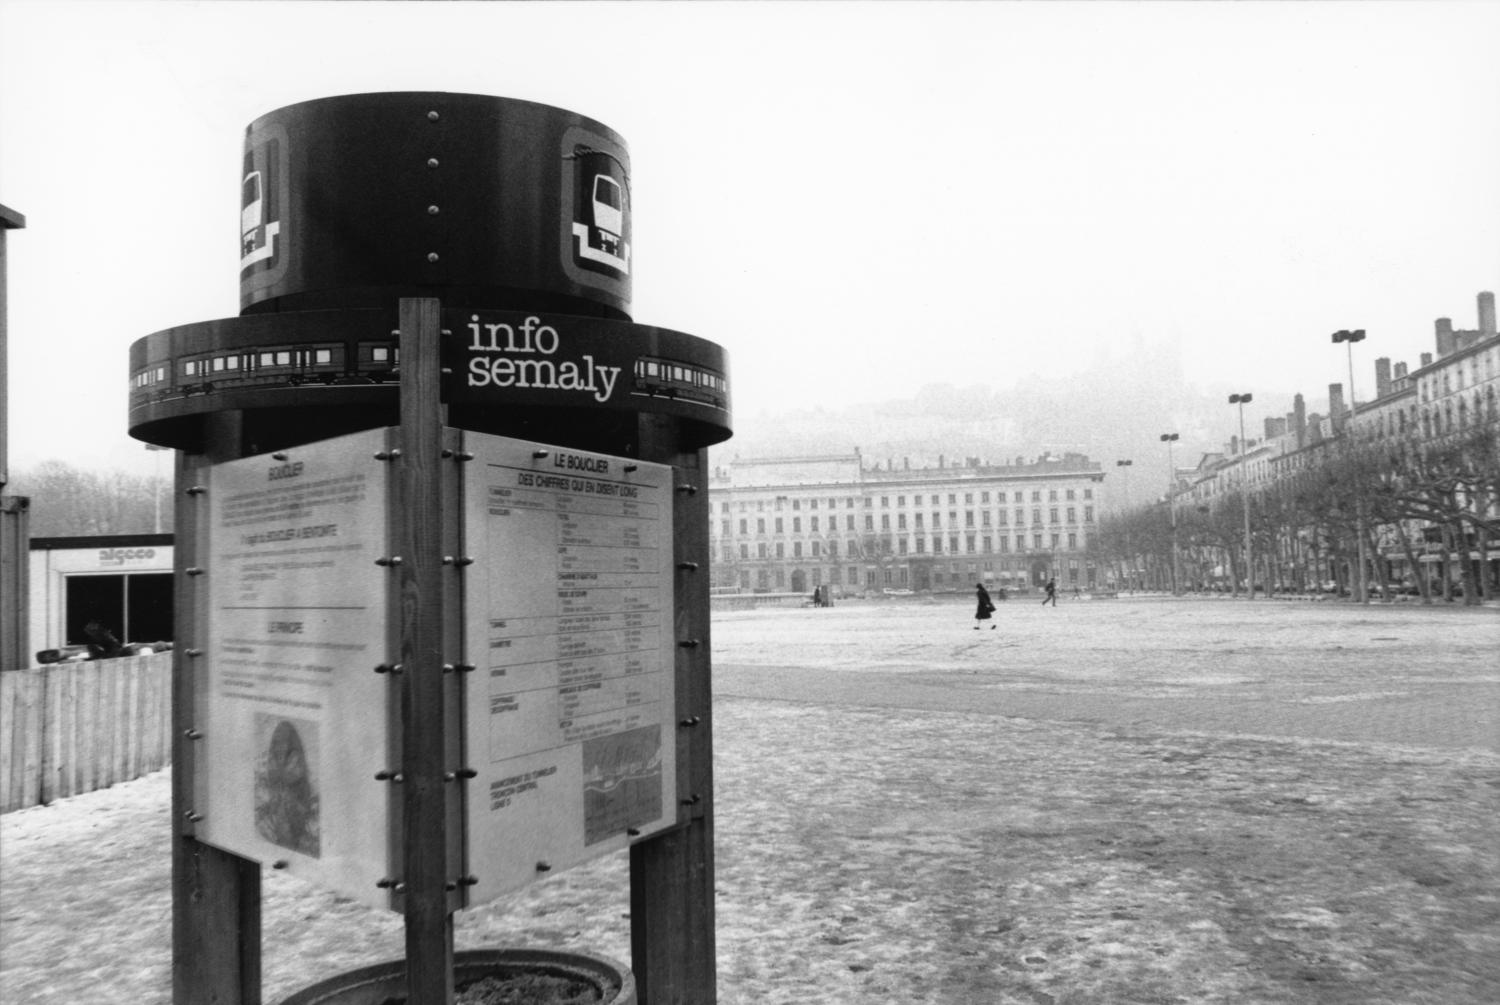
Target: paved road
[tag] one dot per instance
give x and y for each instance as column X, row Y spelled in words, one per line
column 1406, row 675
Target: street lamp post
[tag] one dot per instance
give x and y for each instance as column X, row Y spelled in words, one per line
column 1361, row 587
column 1129, row 556
column 1242, row 400
column 1169, row 439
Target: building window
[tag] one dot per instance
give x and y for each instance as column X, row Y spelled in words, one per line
column 969, row 543
column 885, row 521
column 760, row 550
column 744, row 526
column 901, row 546
column 796, row 525
column 778, row 525
column 814, row 525
column 744, row 551
column 1052, row 515
column 968, row 518
column 1072, row 542
column 1070, row 495
column 780, row 550
column 953, row 544
column 921, row 545
column 796, row 549
column 1052, row 495
column 849, row 521
column 760, row 525
column 1072, row 514
column 869, row 521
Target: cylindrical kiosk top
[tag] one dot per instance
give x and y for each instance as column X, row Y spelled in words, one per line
column 483, row 201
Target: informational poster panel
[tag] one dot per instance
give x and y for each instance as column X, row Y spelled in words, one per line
column 567, row 619
column 293, row 716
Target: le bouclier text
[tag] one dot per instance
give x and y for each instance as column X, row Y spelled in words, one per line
column 521, row 356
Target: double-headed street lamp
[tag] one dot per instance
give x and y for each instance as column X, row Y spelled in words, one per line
column 1169, row 439
column 1129, row 557
column 1242, row 400
column 1361, row 589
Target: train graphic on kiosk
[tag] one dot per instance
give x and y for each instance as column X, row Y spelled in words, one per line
column 233, row 357
column 307, row 364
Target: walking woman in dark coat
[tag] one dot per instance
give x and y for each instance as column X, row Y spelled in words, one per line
column 986, row 606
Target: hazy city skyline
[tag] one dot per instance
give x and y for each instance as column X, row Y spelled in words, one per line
column 856, row 200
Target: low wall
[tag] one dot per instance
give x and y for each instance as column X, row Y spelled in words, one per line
column 68, row 728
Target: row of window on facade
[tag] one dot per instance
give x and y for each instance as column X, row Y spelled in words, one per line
column 1070, row 495
column 970, row 544
column 778, row 525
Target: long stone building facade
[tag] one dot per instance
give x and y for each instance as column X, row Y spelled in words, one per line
column 797, row 523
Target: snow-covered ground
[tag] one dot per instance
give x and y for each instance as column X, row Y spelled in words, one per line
column 949, row 816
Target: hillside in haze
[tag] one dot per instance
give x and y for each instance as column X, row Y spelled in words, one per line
column 1114, row 410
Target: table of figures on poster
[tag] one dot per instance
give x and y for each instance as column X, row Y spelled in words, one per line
column 568, row 611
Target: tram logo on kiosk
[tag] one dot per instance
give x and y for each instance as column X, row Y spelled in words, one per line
column 601, row 212
column 263, row 203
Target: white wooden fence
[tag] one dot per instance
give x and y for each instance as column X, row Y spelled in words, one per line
column 69, row 728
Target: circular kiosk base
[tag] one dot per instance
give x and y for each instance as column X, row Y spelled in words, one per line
column 551, row 973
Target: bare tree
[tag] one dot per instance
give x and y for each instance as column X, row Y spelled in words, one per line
column 68, row 501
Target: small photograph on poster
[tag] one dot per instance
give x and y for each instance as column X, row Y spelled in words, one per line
column 622, row 782
column 286, row 783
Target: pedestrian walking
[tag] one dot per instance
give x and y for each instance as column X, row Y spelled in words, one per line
column 985, row 607
column 1051, row 589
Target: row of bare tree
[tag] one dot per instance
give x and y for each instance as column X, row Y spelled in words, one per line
column 67, row 501
column 1428, row 510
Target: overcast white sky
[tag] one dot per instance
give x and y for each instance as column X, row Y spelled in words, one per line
column 853, row 198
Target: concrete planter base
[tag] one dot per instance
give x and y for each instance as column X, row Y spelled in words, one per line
column 385, row 983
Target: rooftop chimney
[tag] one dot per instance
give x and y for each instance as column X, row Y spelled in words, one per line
column 1336, row 405
column 1299, row 421
column 1427, row 359
column 1314, row 428
column 1445, row 342
column 1486, row 315
column 1382, row 377
column 1400, row 373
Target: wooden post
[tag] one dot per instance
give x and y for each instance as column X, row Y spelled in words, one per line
column 672, row 876
column 216, row 944
column 424, row 796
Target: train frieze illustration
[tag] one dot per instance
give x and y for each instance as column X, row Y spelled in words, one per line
column 495, row 359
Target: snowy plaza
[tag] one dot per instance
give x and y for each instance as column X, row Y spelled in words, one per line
column 1132, row 800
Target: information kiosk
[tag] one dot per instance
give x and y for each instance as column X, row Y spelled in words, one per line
column 442, row 543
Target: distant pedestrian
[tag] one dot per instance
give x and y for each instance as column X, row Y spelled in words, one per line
column 986, row 606
column 1051, row 589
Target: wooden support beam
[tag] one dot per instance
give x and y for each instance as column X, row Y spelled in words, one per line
column 216, row 929
column 672, row 875
column 425, row 817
